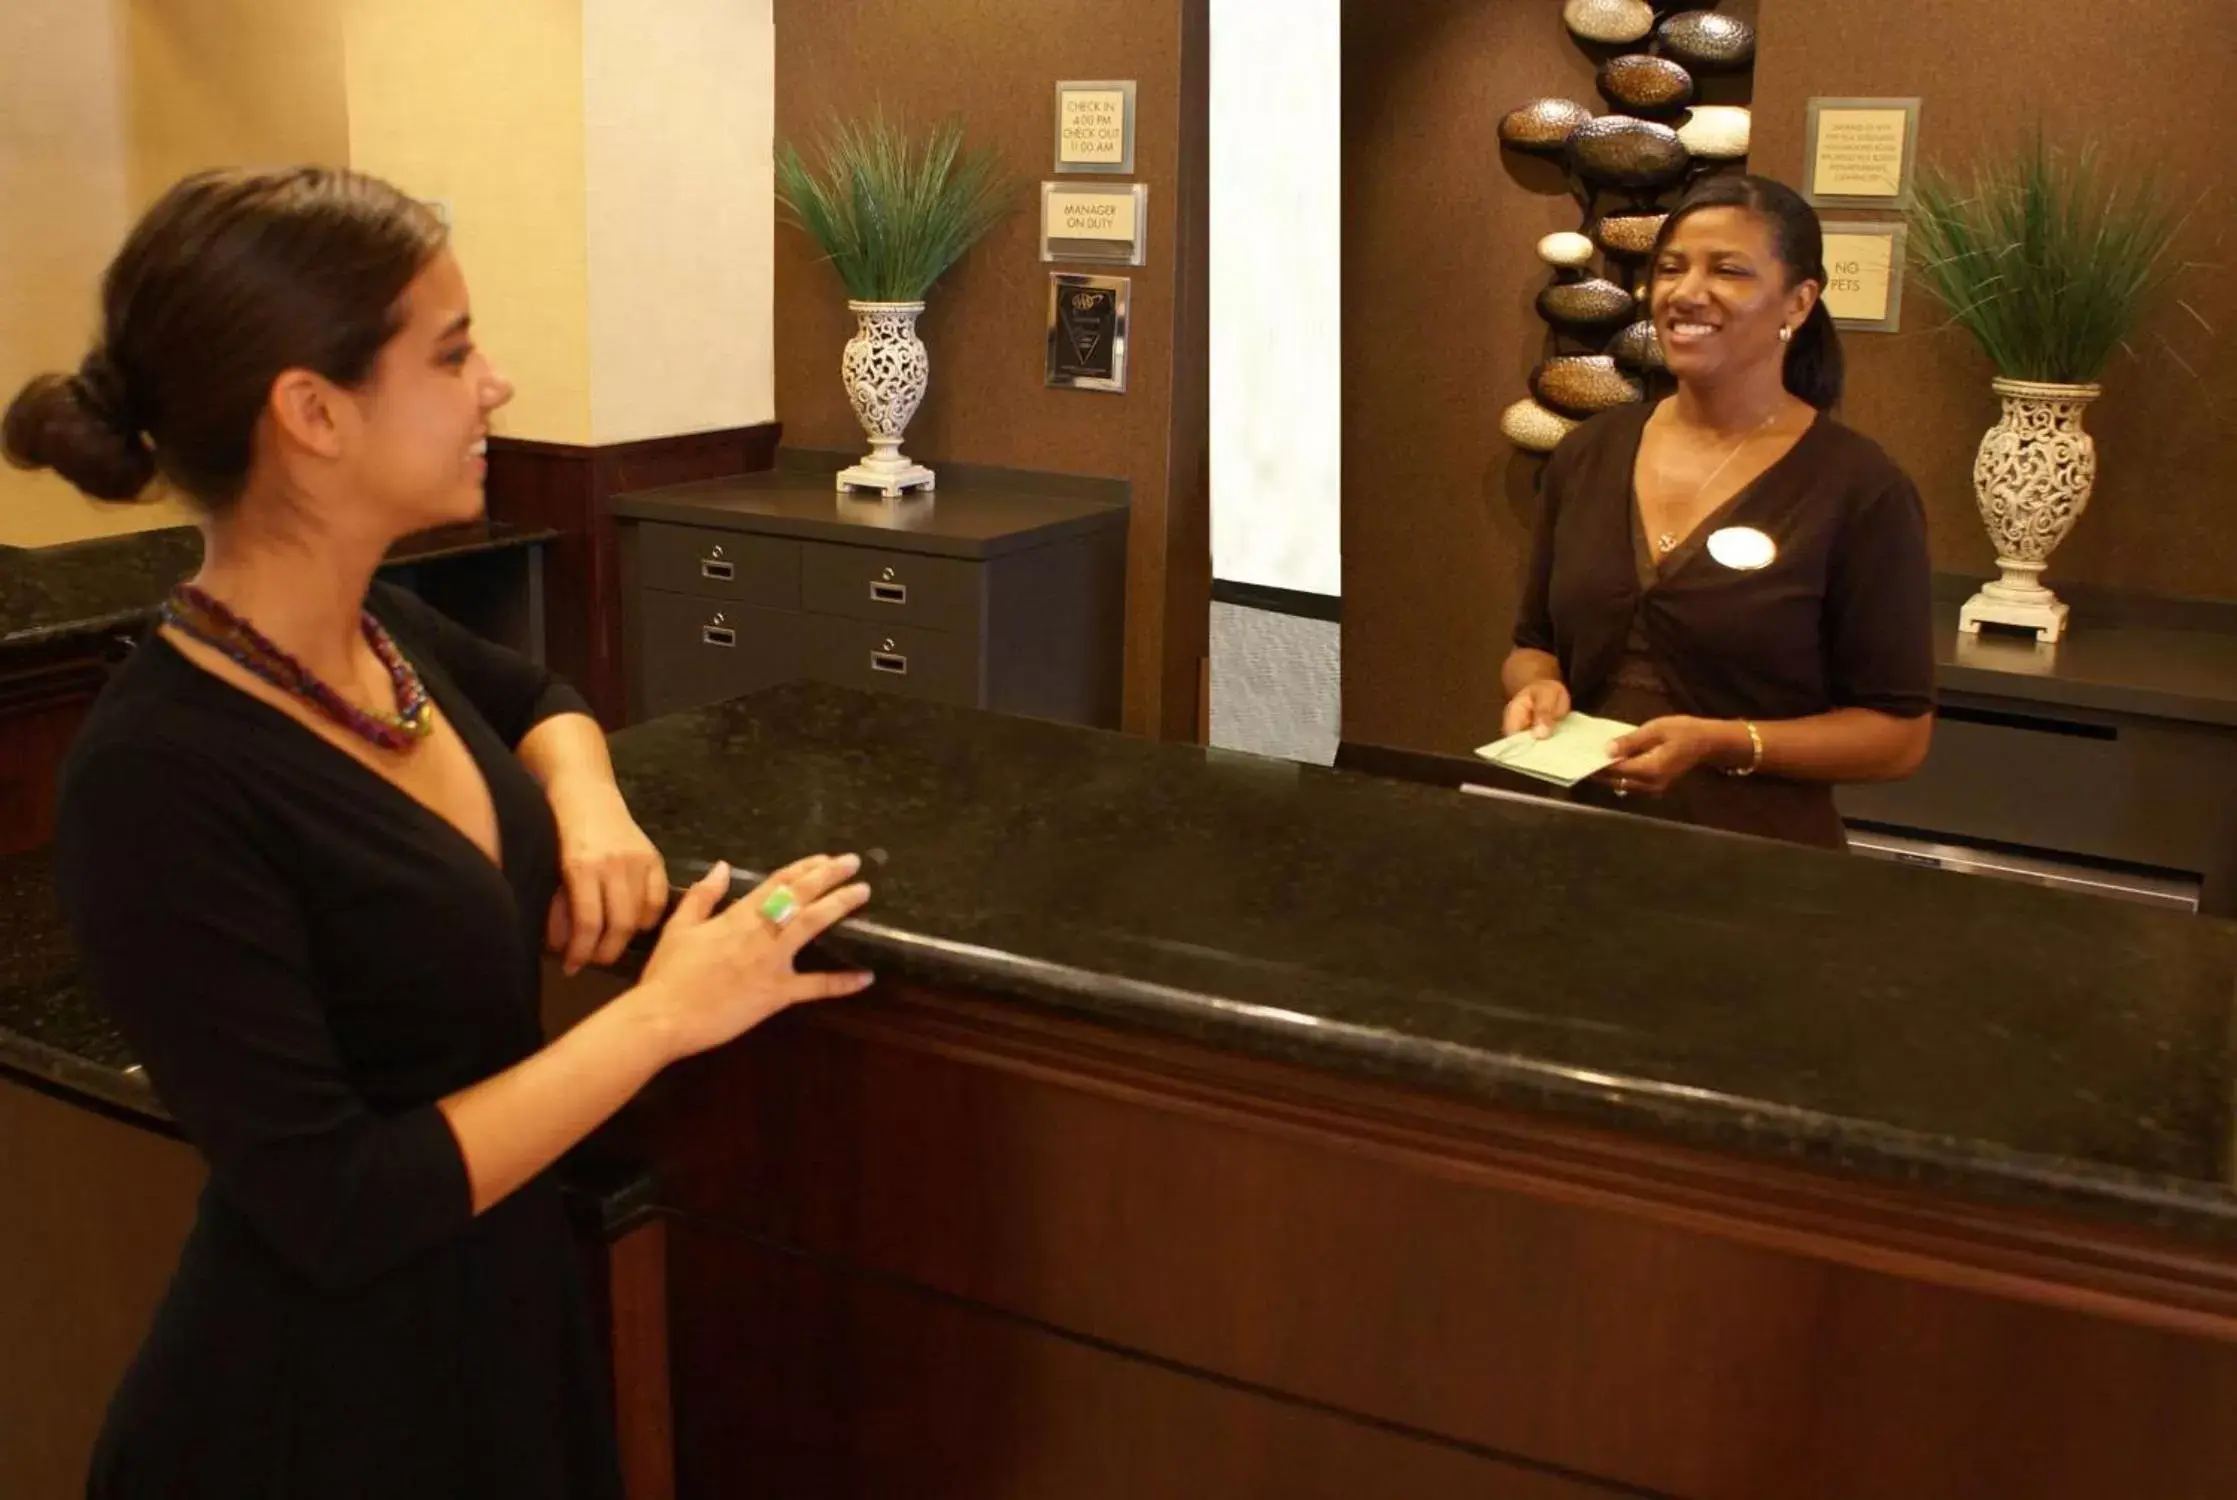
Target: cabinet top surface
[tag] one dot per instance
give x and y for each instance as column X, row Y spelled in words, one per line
column 85, row 588
column 961, row 519
column 2167, row 668
column 1997, row 1037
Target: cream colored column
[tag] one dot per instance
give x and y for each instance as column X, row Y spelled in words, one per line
column 479, row 103
column 679, row 113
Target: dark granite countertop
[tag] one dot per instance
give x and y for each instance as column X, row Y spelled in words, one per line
column 1990, row 1039
column 1985, row 1037
column 84, row 588
column 2123, row 653
column 975, row 512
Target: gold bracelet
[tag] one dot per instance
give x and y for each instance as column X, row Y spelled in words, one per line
column 1755, row 741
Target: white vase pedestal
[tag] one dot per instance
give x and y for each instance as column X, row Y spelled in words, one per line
column 886, row 369
column 2017, row 599
column 2033, row 476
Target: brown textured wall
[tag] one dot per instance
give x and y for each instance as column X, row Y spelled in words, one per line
column 996, row 62
column 1439, row 274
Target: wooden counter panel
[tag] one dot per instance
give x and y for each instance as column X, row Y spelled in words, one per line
column 1668, row 1319
column 863, row 1388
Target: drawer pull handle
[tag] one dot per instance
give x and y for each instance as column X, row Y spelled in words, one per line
column 889, row 593
column 715, row 568
column 718, row 635
column 889, row 661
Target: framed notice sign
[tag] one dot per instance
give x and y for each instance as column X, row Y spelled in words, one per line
column 1860, row 152
column 1087, row 331
column 1095, row 127
column 1864, row 271
column 1102, row 224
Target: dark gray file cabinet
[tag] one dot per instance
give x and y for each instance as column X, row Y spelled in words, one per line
column 1003, row 591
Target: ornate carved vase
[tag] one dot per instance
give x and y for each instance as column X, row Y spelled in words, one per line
column 2033, row 474
column 885, row 368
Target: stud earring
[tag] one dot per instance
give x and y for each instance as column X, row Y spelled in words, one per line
column 1786, row 334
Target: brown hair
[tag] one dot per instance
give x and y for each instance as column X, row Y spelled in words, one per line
column 232, row 278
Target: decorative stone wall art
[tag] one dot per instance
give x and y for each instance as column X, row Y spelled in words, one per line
column 1584, row 385
column 1628, row 236
column 1533, row 428
column 1716, row 132
column 1638, row 348
column 1543, row 126
column 1567, row 251
column 1617, row 151
column 1611, row 23
column 1707, row 39
column 1593, row 305
column 1626, row 169
column 1639, row 83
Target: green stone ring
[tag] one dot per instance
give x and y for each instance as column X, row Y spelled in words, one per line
column 780, row 906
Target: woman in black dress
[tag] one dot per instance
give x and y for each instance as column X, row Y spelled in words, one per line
column 311, row 840
column 1732, row 570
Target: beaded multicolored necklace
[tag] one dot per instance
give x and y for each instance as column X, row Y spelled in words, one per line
column 195, row 614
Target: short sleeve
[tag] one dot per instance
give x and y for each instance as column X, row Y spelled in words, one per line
column 1879, row 608
column 1534, row 616
column 511, row 692
column 198, row 949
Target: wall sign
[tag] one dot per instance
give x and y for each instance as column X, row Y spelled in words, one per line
column 1864, row 264
column 1095, row 127
column 1105, row 225
column 1859, row 152
column 1087, row 331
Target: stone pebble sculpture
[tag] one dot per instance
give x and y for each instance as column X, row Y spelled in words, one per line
column 1625, row 167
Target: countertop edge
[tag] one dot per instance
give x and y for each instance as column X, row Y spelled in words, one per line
column 1682, row 1115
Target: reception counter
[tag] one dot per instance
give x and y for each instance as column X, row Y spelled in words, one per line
column 1229, row 1127
column 1226, row 1127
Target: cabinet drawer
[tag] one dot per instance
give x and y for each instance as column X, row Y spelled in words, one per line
column 891, row 588
column 933, row 664
column 697, row 651
column 715, row 564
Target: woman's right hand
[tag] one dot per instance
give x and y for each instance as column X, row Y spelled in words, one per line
column 712, row 978
column 1538, row 708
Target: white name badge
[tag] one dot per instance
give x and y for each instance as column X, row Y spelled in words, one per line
column 1742, row 548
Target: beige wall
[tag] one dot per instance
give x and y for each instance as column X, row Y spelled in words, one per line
column 677, row 127
column 64, row 168
column 219, row 83
column 480, row 103
column 607, row 170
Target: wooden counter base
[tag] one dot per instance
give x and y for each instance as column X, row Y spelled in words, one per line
column 943, row 1246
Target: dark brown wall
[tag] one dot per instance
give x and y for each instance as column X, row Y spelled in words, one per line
column 1439, row 273
column 996, row 63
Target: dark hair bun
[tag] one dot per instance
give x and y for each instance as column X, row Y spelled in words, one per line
column 81, row 427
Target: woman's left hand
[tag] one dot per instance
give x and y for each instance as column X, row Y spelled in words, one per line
column 1651, row 758
column 613, row 882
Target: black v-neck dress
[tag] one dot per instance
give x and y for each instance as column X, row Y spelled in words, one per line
column 1840, row 616
column 305, row 959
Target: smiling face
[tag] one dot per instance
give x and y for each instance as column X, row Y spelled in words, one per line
column 418, row 430
column 1720, row 295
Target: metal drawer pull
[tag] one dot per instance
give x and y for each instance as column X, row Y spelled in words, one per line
column 713, row 568
column 889, row 660
column 718, row 635
column 889, row 593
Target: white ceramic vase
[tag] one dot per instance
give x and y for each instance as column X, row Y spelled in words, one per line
column 886, row 370
column 2033, row 475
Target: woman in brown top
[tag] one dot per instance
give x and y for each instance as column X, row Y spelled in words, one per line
column 1731, row 569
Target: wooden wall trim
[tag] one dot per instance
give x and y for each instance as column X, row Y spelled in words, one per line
column 567, row 487
column 2029, row 1255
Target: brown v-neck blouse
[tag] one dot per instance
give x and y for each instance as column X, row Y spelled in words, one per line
column 1840, row 617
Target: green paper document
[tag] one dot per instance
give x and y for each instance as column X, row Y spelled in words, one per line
column 1577, row 749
